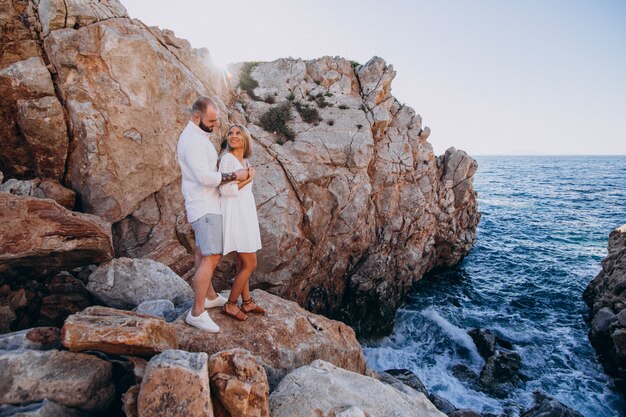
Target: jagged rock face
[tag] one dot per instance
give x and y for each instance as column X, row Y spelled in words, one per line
column 96, row 100
column 606, row 296
column 33, row 131
column 353, row 210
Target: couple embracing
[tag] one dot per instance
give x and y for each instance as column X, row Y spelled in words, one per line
column 221, row 209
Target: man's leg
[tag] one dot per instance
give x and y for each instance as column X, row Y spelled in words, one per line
column 202, row 281
column 197, row 258
column 211, row 295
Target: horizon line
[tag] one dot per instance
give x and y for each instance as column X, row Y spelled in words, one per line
column 543, row 154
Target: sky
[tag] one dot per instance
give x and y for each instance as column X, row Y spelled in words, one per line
column 489, row 77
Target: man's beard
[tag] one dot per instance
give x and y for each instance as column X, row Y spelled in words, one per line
column 205, row 127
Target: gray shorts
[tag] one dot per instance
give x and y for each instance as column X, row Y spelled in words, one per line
column 209, row 234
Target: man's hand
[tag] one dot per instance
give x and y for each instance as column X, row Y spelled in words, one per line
column 242, row 174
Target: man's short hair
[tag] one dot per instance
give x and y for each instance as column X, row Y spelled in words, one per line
column 201, row 104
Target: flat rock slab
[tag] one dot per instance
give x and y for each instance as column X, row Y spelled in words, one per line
column 72, row 379
column 176, row 384
column 287, row 338
column 39, row 233
column 323, row 389
column 117, row 332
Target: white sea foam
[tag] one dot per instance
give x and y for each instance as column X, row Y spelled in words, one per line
column 456, row 334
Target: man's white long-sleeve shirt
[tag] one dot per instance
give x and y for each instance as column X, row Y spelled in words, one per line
column 198, row 163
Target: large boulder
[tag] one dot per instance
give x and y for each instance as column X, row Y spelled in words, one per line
column 40, row 234
column 117, row 332
column 125, row 283
column 287, row 338
column 606, row 297
column 239, row 384
column 176, row 383
column 324, row 389
column 71, row 379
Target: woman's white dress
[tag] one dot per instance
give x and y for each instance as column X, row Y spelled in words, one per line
column 239, row 218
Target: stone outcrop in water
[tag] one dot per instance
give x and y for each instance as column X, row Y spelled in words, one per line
column 606, row 297
column 546, row 406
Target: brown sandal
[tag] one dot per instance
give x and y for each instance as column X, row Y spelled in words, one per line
column 239, row 315
column 256, row 310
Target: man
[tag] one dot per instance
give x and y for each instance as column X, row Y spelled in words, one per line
column 198, row 163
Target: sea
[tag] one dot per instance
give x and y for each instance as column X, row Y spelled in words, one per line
column 542, row 237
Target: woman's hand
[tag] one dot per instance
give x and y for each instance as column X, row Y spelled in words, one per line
column 251, row 173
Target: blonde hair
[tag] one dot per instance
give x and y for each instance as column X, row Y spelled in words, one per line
column 247, row 140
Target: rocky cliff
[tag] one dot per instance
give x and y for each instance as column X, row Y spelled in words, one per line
column 353, row 204
column 606, row 296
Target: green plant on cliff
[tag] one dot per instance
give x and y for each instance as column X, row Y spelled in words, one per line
column 275, row 121
column 321, row 101
column 308, row 114
column 246, row 82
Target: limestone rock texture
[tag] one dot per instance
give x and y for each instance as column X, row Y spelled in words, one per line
column 117, row 332
column 606, row 297
column 176, row 383
column 125, row 283
column 287, row 338
column 39, row 233
column 72, row 379
column 239, row 384
column 325, row 390
column 354, row 206
column 96, row 100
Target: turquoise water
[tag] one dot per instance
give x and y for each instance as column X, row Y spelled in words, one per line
column 541, row 240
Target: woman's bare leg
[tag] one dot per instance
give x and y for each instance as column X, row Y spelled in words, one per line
column 248, row 265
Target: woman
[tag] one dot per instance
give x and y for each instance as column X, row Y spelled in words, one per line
column 241, row 225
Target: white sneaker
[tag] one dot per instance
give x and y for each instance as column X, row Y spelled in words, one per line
column 203, row 321
column 219, row 301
